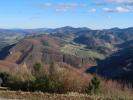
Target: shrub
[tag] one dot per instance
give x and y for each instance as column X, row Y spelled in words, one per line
column 45, row 43
column 48, row 82
column 55, row 84
column 5, row 77
column 56, row 87
column 20, row 82
column 41, row 83
column 94, row 86
column 37, row 67
column 53, row 78
column 116, row 88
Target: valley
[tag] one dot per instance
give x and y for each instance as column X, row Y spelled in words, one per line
column 76, row 55
column 82, row 45
column 66, row 50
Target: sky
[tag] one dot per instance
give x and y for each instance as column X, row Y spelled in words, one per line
column 95, row 14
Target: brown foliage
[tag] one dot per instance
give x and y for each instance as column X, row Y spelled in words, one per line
column 115, row 88
column 72, row 79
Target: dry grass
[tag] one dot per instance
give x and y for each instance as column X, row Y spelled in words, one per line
column 116, row 89
column 73, row 80
column 41, row 96
column 46, row 96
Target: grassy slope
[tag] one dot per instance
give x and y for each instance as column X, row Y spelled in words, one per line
column 79, row 50
column 5, row 41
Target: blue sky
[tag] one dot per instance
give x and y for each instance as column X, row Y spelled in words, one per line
column 96, row 14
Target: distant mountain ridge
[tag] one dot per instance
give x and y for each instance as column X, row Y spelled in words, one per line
column 97, row 39
column 104, row 41
column 78, row 47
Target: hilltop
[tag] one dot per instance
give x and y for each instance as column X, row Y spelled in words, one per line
column 67, row 59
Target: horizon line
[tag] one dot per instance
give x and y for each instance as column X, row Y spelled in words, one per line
column 63, row 27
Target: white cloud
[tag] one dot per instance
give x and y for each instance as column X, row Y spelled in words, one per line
column 130, row 7
column 61, row 6
column 117, row 10
column 44, row 5
column 66, row 7
column 93, row 10
column 106, row 2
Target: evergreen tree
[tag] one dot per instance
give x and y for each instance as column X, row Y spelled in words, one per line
column 37, row 67
column 94, row 86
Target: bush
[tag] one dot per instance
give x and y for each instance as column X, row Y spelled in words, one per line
column 47, row 82
column 94, row 86
column 56, row 87
column 37, row 67
column 5, row 77
column 20, row 81
column 52, row 78
column 41, row 83
column 55, row 84
column 45, row 43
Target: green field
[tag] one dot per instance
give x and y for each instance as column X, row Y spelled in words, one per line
column 80, row 51
column 9, row 40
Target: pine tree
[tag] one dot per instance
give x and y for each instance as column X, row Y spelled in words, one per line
column 94, row 86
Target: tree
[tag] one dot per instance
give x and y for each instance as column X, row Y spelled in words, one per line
column 4, row 77
column 94, row 86
column 52, row 68
column 45, row 43
column 37, row 67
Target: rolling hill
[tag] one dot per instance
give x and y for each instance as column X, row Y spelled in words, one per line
column 119, row 65
column 77, row 47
